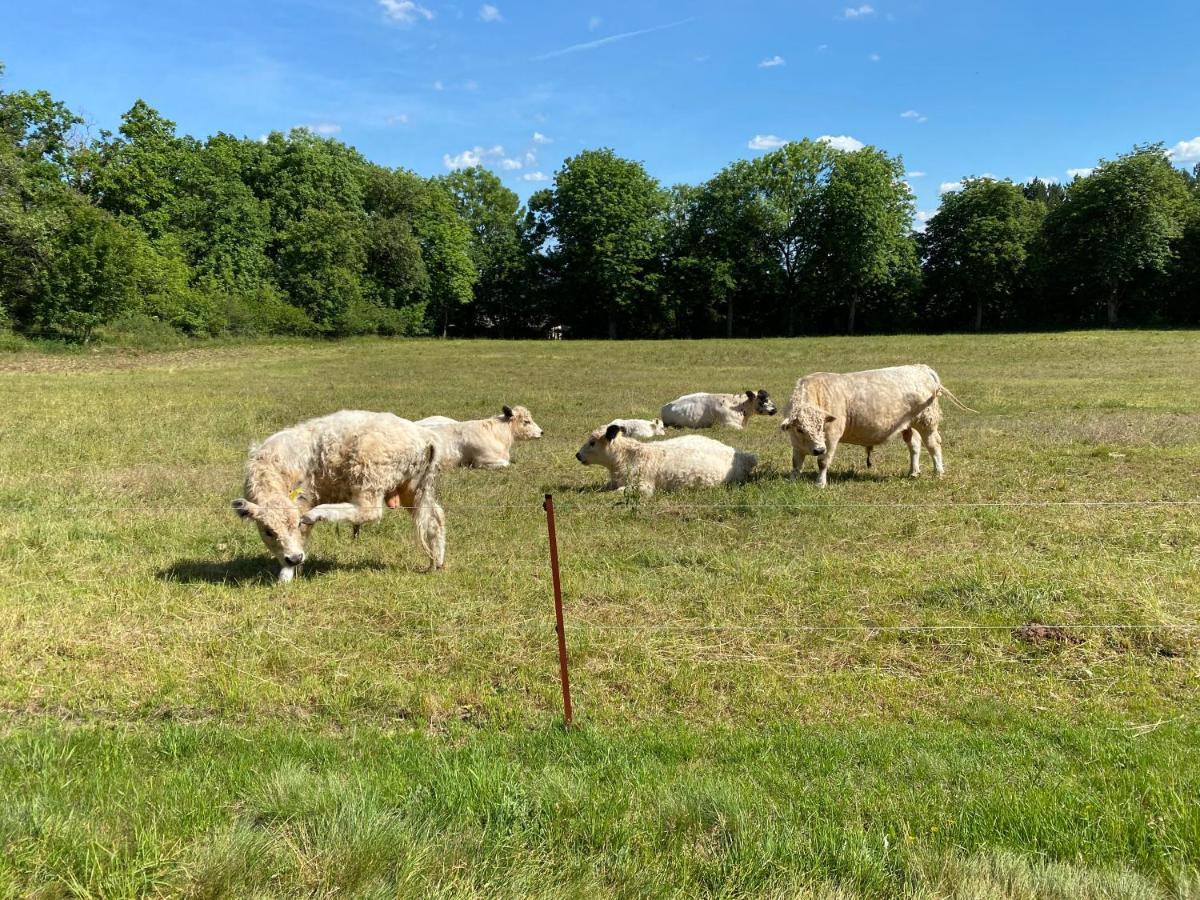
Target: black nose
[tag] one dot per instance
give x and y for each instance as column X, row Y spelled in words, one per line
column 579, row 456
column 817, row 451
column 294, row 559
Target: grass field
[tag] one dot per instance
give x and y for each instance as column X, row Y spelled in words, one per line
column 756, row 715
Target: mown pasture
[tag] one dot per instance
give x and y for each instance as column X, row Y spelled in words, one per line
column 756, row 713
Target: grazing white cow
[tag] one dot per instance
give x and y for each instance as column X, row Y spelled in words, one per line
column 482, row 443
column 640, row 428
column 344, row 467
column 866, row 408
column 707, row 410
column 691, row 461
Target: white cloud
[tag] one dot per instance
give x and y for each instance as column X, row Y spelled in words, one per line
column 471, row 85
column 508, row 165
column 858, row 12
column 1081, row 173
column 842, row 142
column 539, row 138
column 822, row 47
column 406, row 12
column 1185, row 151
column 765, row 142
column 487, row 156
column 489, row 13
column 439, row 85
column 874, row 57
column 535, row 176
column 1042, row 178
column 464, row 160
column 923, row 217
column 398, row 119
column 913, row 114
column 915, row 174
column 594, row 22
column 325, row 128
column 947, row 187
column 530, row 157
column 772, row 62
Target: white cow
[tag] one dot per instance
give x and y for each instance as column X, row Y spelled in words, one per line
column 866, row 408
column 707, row 410
column 344, row 467
column 640, row 428
column 691, row 461
column 482, row 443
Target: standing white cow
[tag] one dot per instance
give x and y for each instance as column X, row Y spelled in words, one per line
column 866, row 408
column 482, row 443
column 691, row 461
column 706, row 410
column 344, row 467
column 640, row 428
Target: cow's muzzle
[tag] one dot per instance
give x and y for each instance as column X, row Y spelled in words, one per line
column 294, row 559
column 818, row 451
column 579, row 456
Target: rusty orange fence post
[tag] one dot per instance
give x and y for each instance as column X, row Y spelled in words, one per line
column 548, row 506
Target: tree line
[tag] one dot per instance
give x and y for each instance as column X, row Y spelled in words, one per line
column 300, row 234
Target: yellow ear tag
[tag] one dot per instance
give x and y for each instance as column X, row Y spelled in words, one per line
column 295, row 494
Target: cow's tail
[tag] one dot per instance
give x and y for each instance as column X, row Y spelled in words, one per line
column 429, row 517
column 943, row 390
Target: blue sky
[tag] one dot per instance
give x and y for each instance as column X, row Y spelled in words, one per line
column 1015, row 89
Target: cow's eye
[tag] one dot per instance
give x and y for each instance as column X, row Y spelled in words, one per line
column 591, row 443
column 270, row 534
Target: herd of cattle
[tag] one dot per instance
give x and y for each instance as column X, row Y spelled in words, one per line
column 351, row 465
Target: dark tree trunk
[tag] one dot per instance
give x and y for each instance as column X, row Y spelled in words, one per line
column 791, row 320
column 1114, row 305
column 612, row 325
column 979, row 315
column 853, row 312
column 729, row 316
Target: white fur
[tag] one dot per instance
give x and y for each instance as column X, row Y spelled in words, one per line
column 482, row 443
column 691, row 461
column 640, row 428
column 706, row 410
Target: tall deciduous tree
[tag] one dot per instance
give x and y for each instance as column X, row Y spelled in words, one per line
column 866, row 212
column 977, row 245
column 1117, row 225
column 606, row 216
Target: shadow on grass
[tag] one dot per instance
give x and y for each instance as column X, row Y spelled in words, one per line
column 246, row 570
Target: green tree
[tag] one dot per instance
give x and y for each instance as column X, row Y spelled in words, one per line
column 864, row 230
column 977, row 245
column 446, row 249
column 1116, row 226
column 605, row 214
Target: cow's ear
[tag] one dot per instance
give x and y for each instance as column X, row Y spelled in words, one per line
column 507, row 410
column 763, row 395
column 749, row 395
column 612, row 431
column 244, row 508
column 829, row 418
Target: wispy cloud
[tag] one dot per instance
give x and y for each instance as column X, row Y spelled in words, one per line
column 490, row 13
column 493, row 157
column 611, row 39
column 772, row 62
column 535, row 176
column 842, row 142
column 765, row 142
column 539, row 138
column 948, row 187
column 1185, row 151
column 324, row 128
column 398, row 119
column 874, row 57
column 915, row 174
column 923, row 217
column 821, row 48
column 1081, row 173
column 594, row 22
column 858, row 12
column 405, row 12
column 913, row 114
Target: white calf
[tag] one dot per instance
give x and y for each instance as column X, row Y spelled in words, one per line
column 691, row 461
column 707, row 410
column 483, row 443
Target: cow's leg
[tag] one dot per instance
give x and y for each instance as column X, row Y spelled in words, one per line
column 933, row 443
column 366, row 509
column 490, row 462
column 797, row 462
column 869, row 463
column 824, row 461
column 430, row 520
column 910, row 437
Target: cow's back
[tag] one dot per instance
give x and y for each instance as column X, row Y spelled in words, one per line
column 877, row 403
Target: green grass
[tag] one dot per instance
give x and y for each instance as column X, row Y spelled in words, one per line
column 756, row 715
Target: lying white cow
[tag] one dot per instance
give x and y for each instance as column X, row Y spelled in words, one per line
column 481, row 443
column 707, row 410
column 691, row 461
column 640, row 428
column 866, row 408
column 344, row 467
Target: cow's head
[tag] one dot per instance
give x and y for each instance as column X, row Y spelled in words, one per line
column 280, row 527
column 656, row 427
column 521, row 420
column 805, row 427
column 597, row 449
column 761, row 403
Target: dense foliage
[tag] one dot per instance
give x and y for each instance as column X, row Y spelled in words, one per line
column 299, row 234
